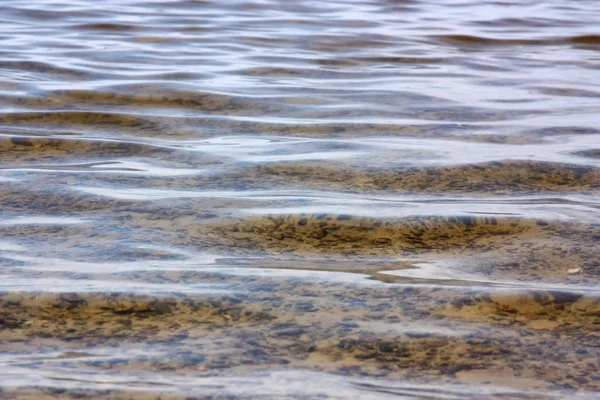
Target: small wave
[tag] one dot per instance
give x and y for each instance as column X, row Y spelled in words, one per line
column 90, row 120
column 111, row 27
column 495, row 177
column 90, row 147
column 592, row 153
column 471, row 40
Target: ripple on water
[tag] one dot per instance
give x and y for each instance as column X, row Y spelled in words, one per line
column 230, row 199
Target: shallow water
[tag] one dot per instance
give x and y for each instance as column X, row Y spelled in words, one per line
column 263, row 199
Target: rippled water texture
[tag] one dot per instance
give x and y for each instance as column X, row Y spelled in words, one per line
column 300, row 199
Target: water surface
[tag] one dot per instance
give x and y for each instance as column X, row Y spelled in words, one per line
column 386, row 199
